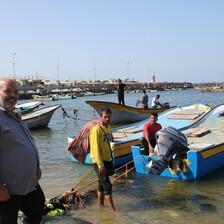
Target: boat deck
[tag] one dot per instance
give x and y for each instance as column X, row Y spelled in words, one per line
column 177, row 118
column 207, row 134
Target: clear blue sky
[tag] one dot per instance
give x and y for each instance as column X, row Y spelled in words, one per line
column 177, row 40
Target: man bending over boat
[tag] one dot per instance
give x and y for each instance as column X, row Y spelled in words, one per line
column 155, row 102
column 148, row 141
column 101, row 156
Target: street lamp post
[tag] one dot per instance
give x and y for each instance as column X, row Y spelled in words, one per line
column 58, row 69
column 94, row 70
column 13, row 65
column 128, row 70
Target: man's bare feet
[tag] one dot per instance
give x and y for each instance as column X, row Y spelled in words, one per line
column 119, row 213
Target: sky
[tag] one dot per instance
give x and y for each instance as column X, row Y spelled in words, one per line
column 177, row 40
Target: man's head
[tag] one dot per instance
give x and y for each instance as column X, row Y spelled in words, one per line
column 105, row 116
column 8, row 94
column 157, row 96
column 153, row 117
column 119, row 81
column 144, row 91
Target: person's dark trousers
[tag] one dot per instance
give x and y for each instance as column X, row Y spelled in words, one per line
column 104, row 184
column 121, row 99
column 32, row 206
column 144, row 144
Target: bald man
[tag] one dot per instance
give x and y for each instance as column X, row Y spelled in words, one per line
column 19, row 163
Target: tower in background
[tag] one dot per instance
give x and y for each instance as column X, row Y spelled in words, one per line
column 153, row 78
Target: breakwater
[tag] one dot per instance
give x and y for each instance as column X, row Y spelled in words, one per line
column 26, row 92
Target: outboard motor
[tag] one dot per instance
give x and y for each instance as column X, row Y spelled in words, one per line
column 166, row 105
column 172, row 149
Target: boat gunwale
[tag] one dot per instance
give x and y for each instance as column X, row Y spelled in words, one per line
column 129, row 107
column 38, row 115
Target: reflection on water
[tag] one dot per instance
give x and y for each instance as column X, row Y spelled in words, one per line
column 144, row 199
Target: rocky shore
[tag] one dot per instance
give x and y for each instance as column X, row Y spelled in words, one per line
column 27, row 92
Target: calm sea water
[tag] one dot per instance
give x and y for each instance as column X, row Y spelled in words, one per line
column 144, row 199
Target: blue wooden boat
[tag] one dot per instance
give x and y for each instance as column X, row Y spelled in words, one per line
column 39, row 118
column 26, row 108
column 126, row 136
column 66, row 97
column 206, row 149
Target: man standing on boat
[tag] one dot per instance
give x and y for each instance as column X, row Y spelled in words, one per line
column 101, row 156
column 19, row 163
column 148, row 141
column 120, row 91
column 155, row 102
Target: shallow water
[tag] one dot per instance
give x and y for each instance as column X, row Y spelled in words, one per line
column 143, row 198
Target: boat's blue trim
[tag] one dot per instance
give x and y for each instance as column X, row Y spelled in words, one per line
column 117, row 162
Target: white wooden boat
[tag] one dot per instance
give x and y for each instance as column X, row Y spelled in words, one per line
column 25, row 108
column 39, row 118
column 126, row 136
column 206, row 149
column 121, row 113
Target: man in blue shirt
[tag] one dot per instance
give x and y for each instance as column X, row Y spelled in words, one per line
column 19, row 163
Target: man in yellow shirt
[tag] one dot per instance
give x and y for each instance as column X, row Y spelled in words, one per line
column 100, row 154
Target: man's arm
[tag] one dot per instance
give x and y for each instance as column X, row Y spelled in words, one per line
column 151, row 149
column 4, row 193
column 160, row 104
column 111, row 137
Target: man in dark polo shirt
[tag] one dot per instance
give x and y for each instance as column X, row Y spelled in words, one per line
column 19, row 163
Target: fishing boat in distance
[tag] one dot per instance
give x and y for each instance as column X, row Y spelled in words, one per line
column 204, row 155
column 126, row 136
column 39, row 118
column 45, row 98
column 121, row 113
column 66, row 97
column 54, row 97
column 25, row 108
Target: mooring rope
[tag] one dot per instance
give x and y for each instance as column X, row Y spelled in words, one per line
column 65, row 114
column 75, row 191
column 73, row 188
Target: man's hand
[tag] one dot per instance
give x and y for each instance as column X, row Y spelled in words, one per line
column 151, row 149
column 4, row 193
column 39, row 173
column 102, row 170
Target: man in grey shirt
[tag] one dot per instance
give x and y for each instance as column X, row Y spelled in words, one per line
column 19, row 163
column 144, row 100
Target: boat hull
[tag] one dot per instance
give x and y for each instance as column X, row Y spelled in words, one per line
column 199, row 164
column 45, row 98
column 118, row 160
column 28, row 107
column 121, row 113
column 206, row 148
column 39, row 118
